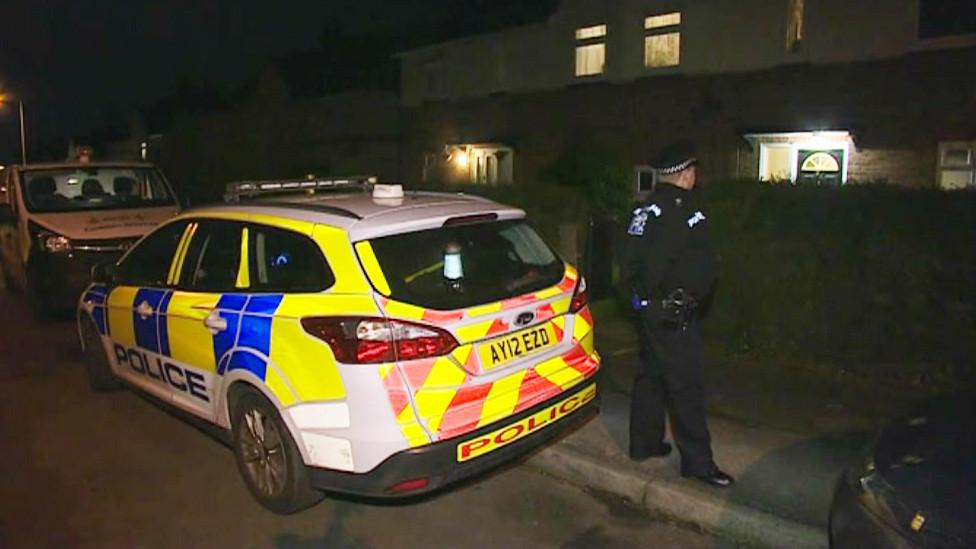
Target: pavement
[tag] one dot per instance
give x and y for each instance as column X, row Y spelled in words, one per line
column 785, row 480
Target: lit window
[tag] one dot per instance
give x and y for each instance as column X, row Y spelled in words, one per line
column 586, row 33
column 662, row 40
column 794, row 25
column 591, row 50
column 590, row 60
column 666, row 20
column 957, row 164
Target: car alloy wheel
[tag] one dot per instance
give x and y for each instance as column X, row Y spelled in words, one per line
column 263, row 453
column 266, row 454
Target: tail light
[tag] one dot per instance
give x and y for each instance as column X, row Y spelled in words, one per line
column 581, row 296
column 357, row 340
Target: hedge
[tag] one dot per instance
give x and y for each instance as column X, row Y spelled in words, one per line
column 861, row 275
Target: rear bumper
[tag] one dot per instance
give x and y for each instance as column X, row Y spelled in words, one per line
column 439, row 464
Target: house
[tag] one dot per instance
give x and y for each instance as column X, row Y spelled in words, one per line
column 823, row 92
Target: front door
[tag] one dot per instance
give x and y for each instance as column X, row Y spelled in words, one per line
column 205, row 310
column 820, row 167
column 137, row 309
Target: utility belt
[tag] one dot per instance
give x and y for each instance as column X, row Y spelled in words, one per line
column 676, row 310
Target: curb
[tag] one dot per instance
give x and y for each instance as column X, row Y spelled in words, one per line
column 679, row 501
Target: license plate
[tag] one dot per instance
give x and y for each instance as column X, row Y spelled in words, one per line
column 503, row 350
column 479, row 446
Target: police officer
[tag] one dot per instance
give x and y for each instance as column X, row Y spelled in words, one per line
column 670, row 267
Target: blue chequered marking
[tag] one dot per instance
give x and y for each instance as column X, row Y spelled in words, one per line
column 146, row 329
column 248, row 332
column 243, row 360
column 264, row 304
column 162, row 326
column 229, row 307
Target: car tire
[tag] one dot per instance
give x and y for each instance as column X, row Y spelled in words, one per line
column 100, row 375
column 268, row 457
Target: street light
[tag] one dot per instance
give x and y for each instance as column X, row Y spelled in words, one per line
column 23, row 135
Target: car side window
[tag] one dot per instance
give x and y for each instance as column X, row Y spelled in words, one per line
column 284, row 261
column 148, row 263
column 213, row 258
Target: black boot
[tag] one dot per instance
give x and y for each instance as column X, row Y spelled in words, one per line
column 714, row 478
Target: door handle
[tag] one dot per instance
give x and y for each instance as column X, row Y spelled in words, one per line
column 144, row 310
column 214, row 322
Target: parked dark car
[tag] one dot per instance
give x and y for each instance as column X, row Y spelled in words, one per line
column 916, row 486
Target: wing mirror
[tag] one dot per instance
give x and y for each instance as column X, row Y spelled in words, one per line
column 103, row 273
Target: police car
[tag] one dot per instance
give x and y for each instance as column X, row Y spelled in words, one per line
column 350, row 337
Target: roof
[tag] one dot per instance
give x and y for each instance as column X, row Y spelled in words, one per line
column 481, row 17
column 81, row 165
column 365, row 217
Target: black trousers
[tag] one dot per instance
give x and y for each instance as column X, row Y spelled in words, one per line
column 670, row 382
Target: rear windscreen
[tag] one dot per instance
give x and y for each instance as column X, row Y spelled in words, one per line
column 465, row 265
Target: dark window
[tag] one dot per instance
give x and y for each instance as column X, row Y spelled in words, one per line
column 213, row 258
column 283, row 261
column 940, row 18
column 459, row 266
column 148, row 263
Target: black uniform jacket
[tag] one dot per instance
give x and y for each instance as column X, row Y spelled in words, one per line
column 667, row 247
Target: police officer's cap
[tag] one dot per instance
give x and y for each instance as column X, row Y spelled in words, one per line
column 676, row 157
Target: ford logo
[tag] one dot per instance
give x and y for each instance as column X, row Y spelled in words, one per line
column 524, row 319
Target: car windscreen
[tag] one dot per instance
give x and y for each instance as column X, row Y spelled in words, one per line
column 94, row 188
column 460, row 266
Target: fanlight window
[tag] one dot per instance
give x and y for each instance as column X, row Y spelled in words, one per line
column 820, row 162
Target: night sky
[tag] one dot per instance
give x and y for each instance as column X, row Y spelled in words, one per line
column 79, row 64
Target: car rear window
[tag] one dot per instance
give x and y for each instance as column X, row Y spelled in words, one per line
column 461, row 266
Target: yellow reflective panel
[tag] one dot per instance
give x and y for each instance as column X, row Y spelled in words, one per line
column 474, row 332
column 556, row 371
column 439, row 389
column 586, row 342
column 411, row 429
column 397, row 309
column 561, row 306
column 177, row 264
column 502, row 398
column 339, row 253
column 279, row 387
column 461, row 354
column 303, row 227
column 120, row 304
column 548, row 292
column 306, row 362
column 190, row 342
column 372, row 267
column 326, row 304
column 244, row 268
column 484, row 309
column 580, row 328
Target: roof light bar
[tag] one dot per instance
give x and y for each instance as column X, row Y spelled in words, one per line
column 237, row 190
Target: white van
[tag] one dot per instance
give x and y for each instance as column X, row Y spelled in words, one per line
column 59, row 220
